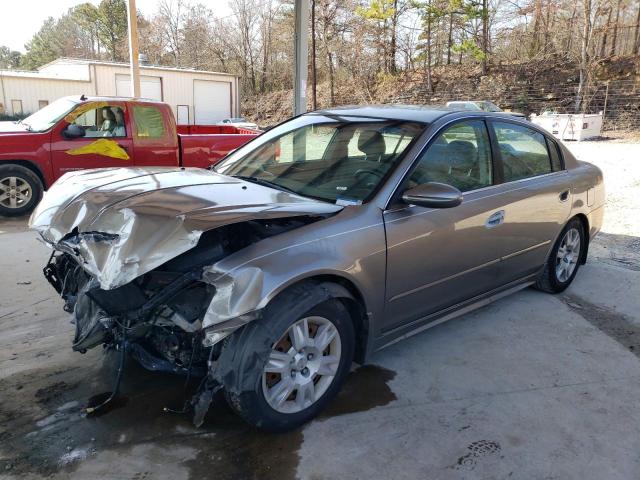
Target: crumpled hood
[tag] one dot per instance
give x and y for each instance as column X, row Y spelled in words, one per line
column 12, row 127
column 120, row 223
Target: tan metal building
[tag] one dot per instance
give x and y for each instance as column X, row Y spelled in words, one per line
column 196, row 97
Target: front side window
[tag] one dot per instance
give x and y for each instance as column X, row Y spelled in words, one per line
column 103, row 121
column 332, row 159
column 523, row 150
column 460, row 156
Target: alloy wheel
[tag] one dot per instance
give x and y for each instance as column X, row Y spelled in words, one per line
column 301, row 365
column 568, row 255
column 14, row 192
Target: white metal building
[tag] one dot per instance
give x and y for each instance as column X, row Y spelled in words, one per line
column 196, row 97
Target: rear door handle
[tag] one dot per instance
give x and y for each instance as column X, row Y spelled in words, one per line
column 495, row 219
column 564, row 196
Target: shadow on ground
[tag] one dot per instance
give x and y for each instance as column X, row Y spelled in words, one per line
column 46, row 431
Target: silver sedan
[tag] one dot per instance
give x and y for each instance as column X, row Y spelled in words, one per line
column 318, row 243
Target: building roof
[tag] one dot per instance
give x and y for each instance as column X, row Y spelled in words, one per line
column 84, row 61
column 38, row 75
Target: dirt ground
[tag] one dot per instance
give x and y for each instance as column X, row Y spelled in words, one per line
column 533, row 386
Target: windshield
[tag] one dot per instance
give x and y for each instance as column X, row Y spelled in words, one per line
column 335, row 159
column 47, row 117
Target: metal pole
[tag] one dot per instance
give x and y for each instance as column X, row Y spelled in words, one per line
column 132, row 19
column 301, row 56
column 604, row 110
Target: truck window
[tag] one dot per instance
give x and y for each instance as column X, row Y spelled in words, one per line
column 102, row 122
column 149, row 122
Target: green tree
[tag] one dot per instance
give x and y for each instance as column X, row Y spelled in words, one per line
column 45, row 46
column 86, row 16
column 384, row 13
column 112, row 27
column 9, row 58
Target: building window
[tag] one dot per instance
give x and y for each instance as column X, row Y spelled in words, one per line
column 42, row 103
column 183, row 115
column 16, row 106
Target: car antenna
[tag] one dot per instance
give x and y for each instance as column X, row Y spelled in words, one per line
column 83, row 97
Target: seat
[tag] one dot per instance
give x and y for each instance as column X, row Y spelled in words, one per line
column 372, row 144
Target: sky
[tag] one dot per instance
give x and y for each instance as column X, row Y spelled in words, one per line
column 22, row 18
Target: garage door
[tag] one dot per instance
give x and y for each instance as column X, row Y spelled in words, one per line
column 150, row 87
column 211, row 101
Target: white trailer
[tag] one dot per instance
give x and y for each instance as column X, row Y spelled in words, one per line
column 567, row 126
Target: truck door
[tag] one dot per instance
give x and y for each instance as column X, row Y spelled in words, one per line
column 106, row 141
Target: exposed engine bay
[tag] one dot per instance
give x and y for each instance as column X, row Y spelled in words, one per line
column 158, row 317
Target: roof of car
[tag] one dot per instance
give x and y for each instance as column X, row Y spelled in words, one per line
column 414, row 113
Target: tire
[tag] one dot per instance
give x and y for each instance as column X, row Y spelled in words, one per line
column 20, row 190
column 252, row 387
column 551, row 280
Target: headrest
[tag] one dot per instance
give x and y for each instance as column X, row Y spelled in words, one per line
column 371, row 142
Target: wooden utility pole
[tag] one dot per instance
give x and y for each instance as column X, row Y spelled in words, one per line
column 132, row 19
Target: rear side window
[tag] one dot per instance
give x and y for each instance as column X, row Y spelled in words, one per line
column 554, row 153
column 149, row 122
column 523, row 150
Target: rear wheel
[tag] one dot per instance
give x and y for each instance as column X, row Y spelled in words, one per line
column 564, row 260
column 306, row 360
column 20, row 190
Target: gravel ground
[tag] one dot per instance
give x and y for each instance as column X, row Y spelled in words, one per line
column 619, row 241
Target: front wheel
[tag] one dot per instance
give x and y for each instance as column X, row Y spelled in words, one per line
column 307, row 359
column 564, row 259
column 20, row 190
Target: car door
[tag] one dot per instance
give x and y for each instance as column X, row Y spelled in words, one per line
column 535, row 197
column 106, row 141
column 437, row 258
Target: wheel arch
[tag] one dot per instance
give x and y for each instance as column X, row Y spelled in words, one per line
column 350, row 295
column 585, row 226
column 29, row 165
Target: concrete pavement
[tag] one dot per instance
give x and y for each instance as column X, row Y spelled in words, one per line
column 533, row 386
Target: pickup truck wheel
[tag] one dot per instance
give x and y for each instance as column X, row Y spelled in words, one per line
column 309, row 356
column 20, row 190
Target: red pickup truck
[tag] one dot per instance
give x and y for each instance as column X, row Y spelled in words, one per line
column 75, row 133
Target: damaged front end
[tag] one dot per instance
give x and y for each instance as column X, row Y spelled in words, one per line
column 158, row 317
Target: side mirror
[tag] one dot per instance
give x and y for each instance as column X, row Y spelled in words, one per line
column 433, row 195
column 73, row 131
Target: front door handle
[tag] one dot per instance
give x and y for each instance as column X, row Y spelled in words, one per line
column 495, row 219
column 564, row 196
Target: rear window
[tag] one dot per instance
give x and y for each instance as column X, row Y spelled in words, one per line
column 149, row 122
